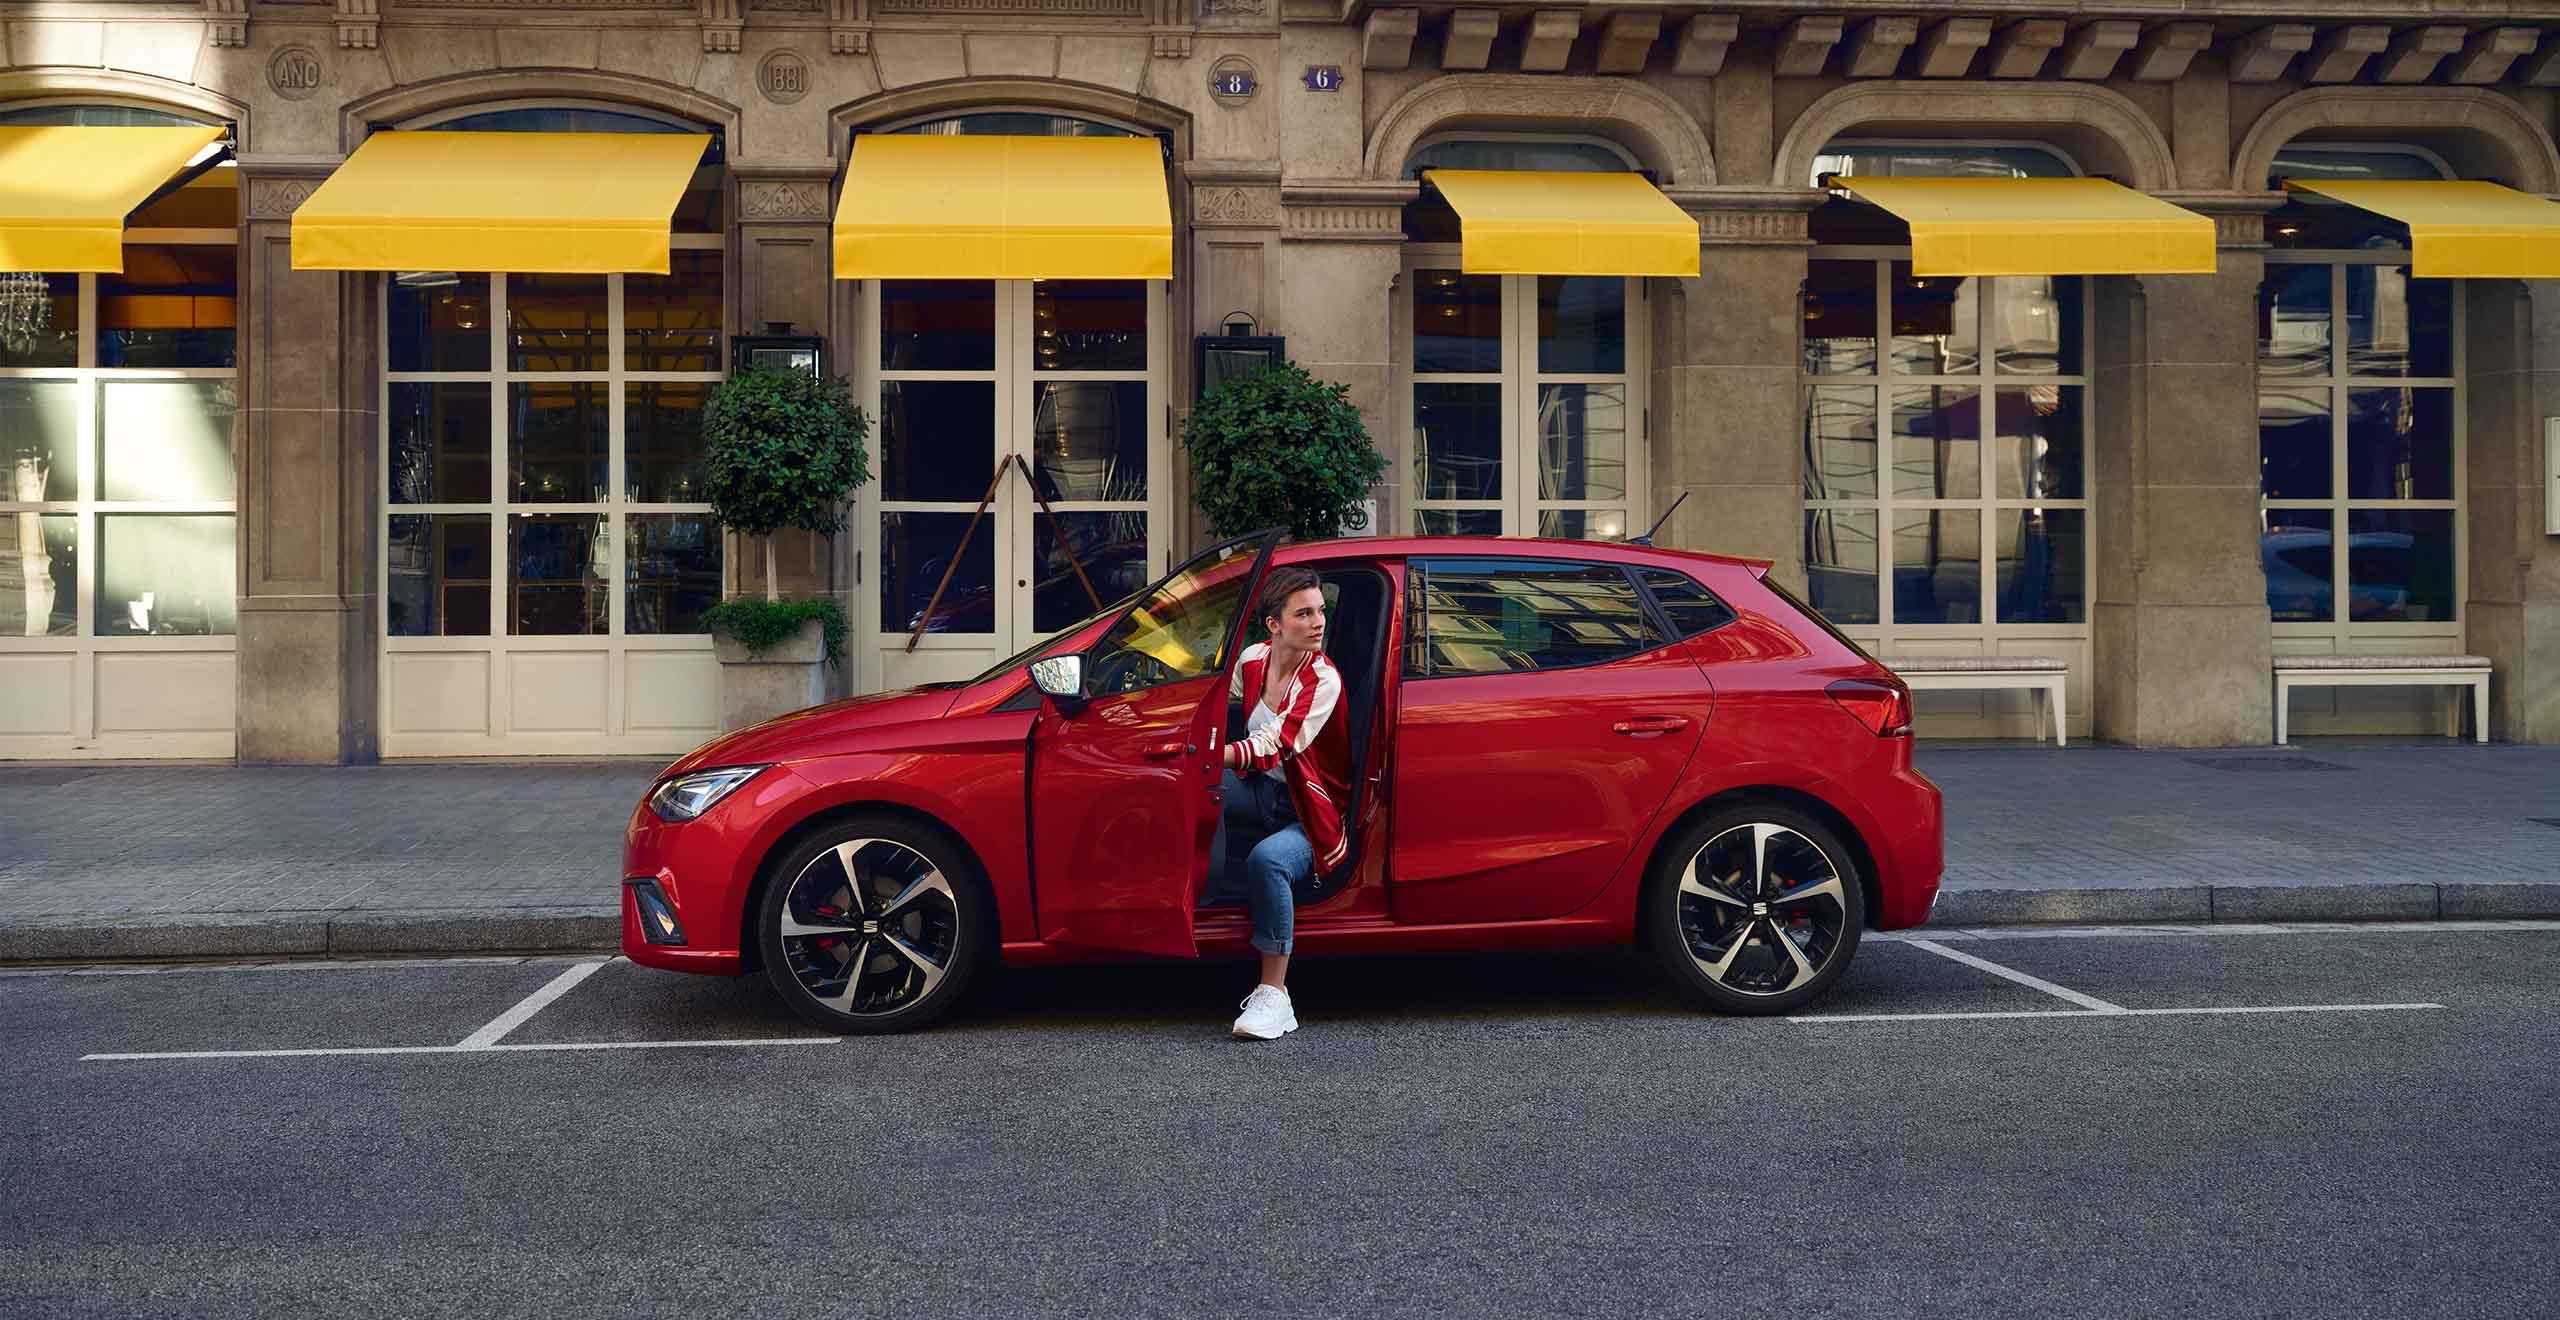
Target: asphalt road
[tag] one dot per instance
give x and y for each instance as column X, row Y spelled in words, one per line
column 1484, row 1136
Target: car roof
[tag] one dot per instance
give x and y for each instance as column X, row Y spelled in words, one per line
column 1518, row 547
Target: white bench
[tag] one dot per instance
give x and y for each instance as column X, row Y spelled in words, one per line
column 2453, row 671
column 2042, row 674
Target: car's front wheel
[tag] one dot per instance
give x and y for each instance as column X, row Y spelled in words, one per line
column 1755, row 908
column 875, row 925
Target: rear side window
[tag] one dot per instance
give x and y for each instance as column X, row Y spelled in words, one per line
column 1692, row 609
column 1509, row 616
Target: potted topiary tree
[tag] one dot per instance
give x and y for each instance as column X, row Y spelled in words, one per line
column 1279, row 448
column 780, row 449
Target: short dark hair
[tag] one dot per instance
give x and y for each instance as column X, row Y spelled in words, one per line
column 1280, row 586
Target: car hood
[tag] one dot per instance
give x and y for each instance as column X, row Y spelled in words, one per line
column 790, row 737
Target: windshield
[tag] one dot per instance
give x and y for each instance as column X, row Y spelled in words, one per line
column 1183, row 580
column 1032, row 652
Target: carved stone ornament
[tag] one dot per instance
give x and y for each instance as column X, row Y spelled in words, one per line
column 359, row 24
column 1234, row 206
column 276, row 199
column 782, row 199
column 783, row 77
column 1343, row 222
column 1234, row 8
column 226, row 22
column 295, row 72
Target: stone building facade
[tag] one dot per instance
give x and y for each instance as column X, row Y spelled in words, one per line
column 2166, row 479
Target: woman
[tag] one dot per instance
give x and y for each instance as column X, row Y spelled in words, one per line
column 1285, row 782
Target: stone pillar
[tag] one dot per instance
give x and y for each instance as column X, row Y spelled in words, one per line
column 310, row 379
column 1231, row 268
column 779, row 284
column 1727, row 352
column 1339, row 258
column 2179, row 625
column 2511, row 612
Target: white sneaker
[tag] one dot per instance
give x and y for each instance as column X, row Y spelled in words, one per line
column 1268, row 1015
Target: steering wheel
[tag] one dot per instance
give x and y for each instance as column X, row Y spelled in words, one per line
column 1128, row 671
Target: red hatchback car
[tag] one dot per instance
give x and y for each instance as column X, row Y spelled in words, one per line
column 1553, row 743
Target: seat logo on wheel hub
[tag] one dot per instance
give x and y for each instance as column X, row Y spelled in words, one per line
column 1759, row 909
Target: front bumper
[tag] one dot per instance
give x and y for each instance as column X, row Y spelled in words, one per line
column 696, row 875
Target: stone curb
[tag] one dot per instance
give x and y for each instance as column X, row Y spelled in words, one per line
column 2451, row 901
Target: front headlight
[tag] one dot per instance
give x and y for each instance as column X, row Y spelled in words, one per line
column 687, row 796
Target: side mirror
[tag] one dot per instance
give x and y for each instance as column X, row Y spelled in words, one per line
column 1060, row 678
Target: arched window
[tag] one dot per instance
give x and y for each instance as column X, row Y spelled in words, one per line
column 1526, row 152
column 1015, row 123
column 1939, row 160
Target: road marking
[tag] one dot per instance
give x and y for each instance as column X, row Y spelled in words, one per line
column 525, row 1008
column 2112, row 1013
column 546, row 1047
column 2064, row 993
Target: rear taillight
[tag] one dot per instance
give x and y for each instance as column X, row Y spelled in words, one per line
column 1883, row 705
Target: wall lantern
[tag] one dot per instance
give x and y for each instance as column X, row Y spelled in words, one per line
column 787, row 352
column 1234, row 351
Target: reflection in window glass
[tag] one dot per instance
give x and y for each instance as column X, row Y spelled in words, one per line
column 1457, row 433
column 558, row 586
column 2293, row 321
column 55, row 341
column 562, row 449
column 1458, row 522
column 439, row 442
column 937, row 439
column 1457, row 322
column 2293, row 444
column 39, row 575
column 1515, row 154
column 1089, row 439
column 671, row 322
column 438, row 565
column 1840, row 563
column 40, row 440
column 916, row 549
column 171, row 307
column 1109, row 548
column 1582, row 324
column 1937, row 326
column 1583, row 524
column 1839, row 442
column 1839, row 318
column 1582, row 442
column 167, row 440
column 1937, row 442
column 1510, row 616
column 1937, row 566
column 2398, row 326
column 2035, row 325
column 671, row 572
column 2042, row 556
column 557, row 323
column 1939, row 161
column 164, row 574
column 1089, row 325
column 937, row 325
column 1180, row 631
column 1691, row 608
column 439, row 321
column 2400, row 444
column 662, row 441
column 1015, row 123
column 2295, row 552
column 2400, row 565
column 2040, row 448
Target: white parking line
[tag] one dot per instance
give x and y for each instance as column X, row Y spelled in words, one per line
column 528, row 1006
column 2064, row 993
column 2111, row 1013
column 546, row 1047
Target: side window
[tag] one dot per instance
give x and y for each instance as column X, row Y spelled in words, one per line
column 1692, row 609
column 1179, row 630
column 1508, row 616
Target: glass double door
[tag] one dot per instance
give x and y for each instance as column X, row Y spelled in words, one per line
column 1021, row 466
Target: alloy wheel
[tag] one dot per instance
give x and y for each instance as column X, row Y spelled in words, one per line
column 1762, row 909
column 870, row 927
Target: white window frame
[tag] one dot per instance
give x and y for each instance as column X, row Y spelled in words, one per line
column 1521, row 506
column 87, row 508
column 501, row 642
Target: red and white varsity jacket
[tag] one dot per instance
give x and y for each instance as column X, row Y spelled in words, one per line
column 1308, row 744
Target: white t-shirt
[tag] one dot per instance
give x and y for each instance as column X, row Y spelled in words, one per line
column 1262, row 717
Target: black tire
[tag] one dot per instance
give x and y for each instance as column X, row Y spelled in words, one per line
column 950, row 926
column 1693, row 932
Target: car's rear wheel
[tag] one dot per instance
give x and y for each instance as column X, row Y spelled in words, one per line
column 875, row 925
column 1755, row 908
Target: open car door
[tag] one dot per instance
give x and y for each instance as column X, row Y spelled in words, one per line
column 1123, row 781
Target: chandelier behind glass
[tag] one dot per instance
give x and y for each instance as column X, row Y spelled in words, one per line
column 26, row 308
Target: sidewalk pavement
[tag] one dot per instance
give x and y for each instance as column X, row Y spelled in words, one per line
column 219, row 861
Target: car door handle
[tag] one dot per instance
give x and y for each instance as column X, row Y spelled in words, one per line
column 1645, row 724
column 1164, row 751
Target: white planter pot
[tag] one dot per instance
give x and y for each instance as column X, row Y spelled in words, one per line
column 789, row 676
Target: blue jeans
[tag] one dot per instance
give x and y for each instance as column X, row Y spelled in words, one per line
column 1260, row 825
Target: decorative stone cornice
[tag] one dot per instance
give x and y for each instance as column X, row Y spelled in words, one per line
column 1345, row 211
column 359, row 24
column 2239, row 218
column 723, row 24
column 782, row 194
column 1750, row 217
column 226, row 22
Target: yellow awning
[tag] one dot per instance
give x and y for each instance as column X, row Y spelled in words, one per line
column 2459, row 228
column 1537, row 222
column 559, row 203
column 925, row 206
column 2040, row 227
column 65, row 189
